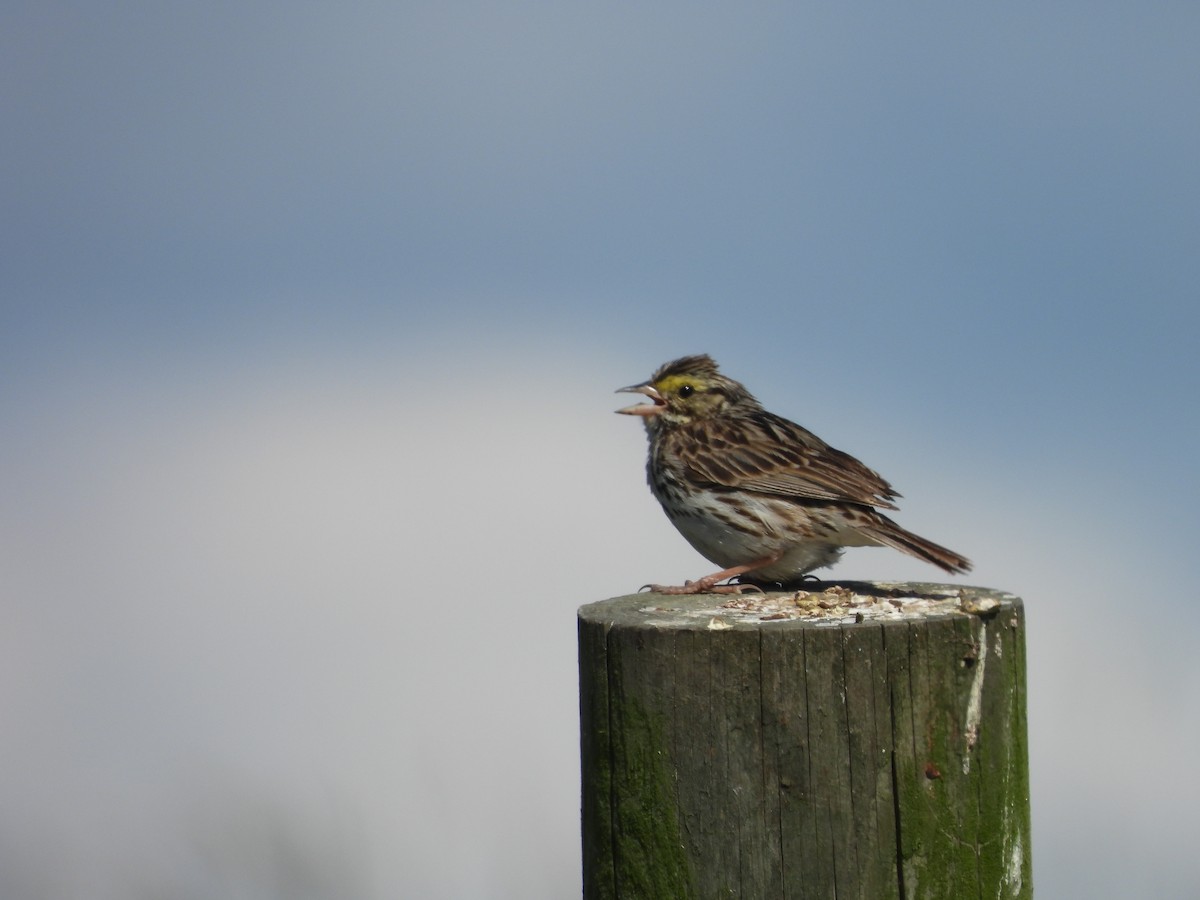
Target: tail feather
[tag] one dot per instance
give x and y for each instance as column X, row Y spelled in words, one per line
column 892, row 535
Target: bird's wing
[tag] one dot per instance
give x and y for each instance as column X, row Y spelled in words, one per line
column 769, row 454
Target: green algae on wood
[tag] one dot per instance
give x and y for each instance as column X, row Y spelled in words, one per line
column 863, row 741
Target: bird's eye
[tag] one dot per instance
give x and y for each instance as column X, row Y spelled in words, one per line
column 686, row 391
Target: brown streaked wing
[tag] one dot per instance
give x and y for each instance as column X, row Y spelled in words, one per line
column 769, row 454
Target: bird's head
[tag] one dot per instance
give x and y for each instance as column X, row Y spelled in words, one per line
column 687, row 390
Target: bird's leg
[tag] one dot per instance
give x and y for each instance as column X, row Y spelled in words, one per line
column 709, row 583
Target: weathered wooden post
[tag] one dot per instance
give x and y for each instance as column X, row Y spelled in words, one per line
column 865, row 741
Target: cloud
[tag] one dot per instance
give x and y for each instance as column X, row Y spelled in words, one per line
column 332, row 605
column 309, row 454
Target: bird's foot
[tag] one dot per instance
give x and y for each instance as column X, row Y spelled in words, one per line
column 702, row 586
column 711, row 584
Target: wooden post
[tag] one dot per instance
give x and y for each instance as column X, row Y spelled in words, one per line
column 861, row 740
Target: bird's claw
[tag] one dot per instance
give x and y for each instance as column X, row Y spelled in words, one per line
column 703, row 586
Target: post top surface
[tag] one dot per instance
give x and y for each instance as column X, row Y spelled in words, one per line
column 829, row 604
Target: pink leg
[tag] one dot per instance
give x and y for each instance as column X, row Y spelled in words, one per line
column 709, row 583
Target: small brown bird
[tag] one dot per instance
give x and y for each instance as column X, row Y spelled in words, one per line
column 754, row 493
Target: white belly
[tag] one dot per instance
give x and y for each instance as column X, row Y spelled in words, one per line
column 727, row 546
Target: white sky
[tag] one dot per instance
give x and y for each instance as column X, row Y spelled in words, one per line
column 309, row 323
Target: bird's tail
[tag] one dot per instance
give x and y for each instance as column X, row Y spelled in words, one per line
column 888, row 533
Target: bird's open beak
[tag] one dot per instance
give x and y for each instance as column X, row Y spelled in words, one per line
column 643, row 409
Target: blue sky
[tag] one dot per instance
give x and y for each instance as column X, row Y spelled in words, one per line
column 309, row 322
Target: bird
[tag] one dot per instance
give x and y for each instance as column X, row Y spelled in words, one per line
column 754, row 493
